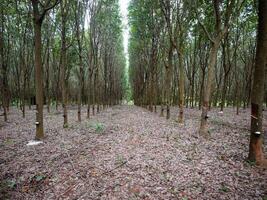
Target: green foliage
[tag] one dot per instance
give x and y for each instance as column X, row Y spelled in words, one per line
column 224, row 188
column 251, row 163
column 40, row 177
column 99, row 127
column 11, row 184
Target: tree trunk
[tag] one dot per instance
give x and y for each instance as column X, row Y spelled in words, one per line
column 162, row 110
column 63, row 64
column 201, row 89
column 193, row 87
column 47, row 77
column 78, row 35
column 38, row 78
column 168, row 82
column 257, row 96
column 207, row 90
column 181, row 89
column 223, row 92
column 88, row 111
column 4, row 84
column 24, row 92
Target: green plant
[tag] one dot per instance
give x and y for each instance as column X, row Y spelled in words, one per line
column 119, row 160
column 251, row 163
column 8, row 141
column 39, row 177
column 11, row 184
column 99, row 127
column 224, row 188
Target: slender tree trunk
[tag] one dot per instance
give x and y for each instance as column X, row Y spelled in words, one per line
column 257, row 97
column 162, row 105
column 207, row 91
column 4, row 83
column 181, row 89
column 78, row 35
column 63, row 64
column 193, row 88
column 201, row 89
column 48, row 77
column 223, row 92
column 237, row 100
column 38, row 79
column 88, row 111
column 80, row 91
column 29, row 94
column 23, row 94
column 168, row 82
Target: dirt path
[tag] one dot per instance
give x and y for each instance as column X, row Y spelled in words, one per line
column 126, row 152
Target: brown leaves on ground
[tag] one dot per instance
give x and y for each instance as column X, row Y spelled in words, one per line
column 127, row 152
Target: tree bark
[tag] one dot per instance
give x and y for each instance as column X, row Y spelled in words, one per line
column 63, row 63
column 47, row 76
column 207, row 91
column 181, row 89
column 4, row 80
column 38, row 71
column 257, row 96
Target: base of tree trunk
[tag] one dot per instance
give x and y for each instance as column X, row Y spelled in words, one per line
column 203, row 130
column 5, row 114
column 180, row 119
column 181, row 115
column 255, row 149
column 79, row 116
column 88, row 112
column 39, row 133
column 150, row 108
column 162, row 111
column 168, row 112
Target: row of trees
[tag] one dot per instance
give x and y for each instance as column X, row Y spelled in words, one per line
column 61, row 51
column 195, row 53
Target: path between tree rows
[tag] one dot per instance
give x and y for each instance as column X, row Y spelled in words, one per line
column 127, row 152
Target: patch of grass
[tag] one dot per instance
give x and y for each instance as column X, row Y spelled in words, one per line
column 99, row 127
column 40, row 177
column 65, row 126
column 251, row 163
column 224, row 188
column 11, row 184
column 119, row 160
column 9, row 141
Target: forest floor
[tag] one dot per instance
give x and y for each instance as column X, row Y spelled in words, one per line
column 127, row 152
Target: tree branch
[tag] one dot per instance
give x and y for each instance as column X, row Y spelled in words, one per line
column 47, row 8
column 205, row 30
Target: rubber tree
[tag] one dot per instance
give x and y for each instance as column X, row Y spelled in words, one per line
column 220, row 29
column 63, row 63
column 39, row 12
column 257, row 95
